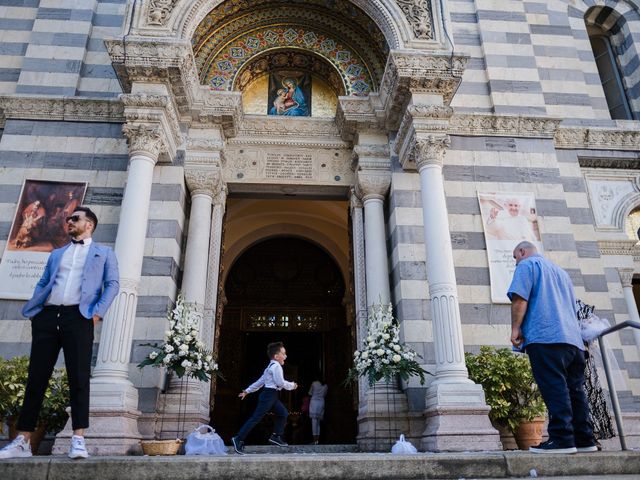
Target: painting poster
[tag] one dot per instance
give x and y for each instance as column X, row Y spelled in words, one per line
column 289, row 94
column 39, row 226
column 508, row 219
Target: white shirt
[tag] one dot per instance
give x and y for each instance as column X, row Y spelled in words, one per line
column 67, row 286
column 273, row 377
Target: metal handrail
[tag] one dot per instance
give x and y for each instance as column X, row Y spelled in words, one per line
column 607, row 371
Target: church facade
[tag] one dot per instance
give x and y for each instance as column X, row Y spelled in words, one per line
column 288, row 164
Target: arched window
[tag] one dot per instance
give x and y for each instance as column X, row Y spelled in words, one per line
column 615, row 57
column 610, row 77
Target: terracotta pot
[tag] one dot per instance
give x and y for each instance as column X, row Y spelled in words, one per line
column 529, row 433
column 36, row 436
column 506, row 438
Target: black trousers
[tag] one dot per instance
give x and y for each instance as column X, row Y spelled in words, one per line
column 52, row 329
column 558, row 369
column 268, row 401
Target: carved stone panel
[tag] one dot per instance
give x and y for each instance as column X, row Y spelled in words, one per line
column 286, row 165
column 419, row 16
column 610, row 197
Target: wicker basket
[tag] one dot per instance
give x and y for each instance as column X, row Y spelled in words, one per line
column 160, row 447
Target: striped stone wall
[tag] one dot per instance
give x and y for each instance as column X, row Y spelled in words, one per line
column 501, row 164
column 96, row 153
column 56, row 47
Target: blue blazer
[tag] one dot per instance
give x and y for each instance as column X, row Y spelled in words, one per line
column 100, row 282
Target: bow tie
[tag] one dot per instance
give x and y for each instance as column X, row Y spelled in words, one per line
column 81, row 242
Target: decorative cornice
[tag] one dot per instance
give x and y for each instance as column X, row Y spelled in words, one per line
column 599, row 138
column 512, row 126
column 61, row 108
column 410, row 72
column 617, row 247
column 204, row 145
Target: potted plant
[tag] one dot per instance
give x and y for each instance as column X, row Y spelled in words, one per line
column 53, row 414
column 182, row 354
column 510, row 391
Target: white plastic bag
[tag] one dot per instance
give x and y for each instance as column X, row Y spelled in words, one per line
column 402, row 447
column 591, row 325
column 204, row 441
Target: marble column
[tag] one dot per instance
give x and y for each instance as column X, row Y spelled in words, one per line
column 373, row 181
column 187, row 400
column 626, row 278
column 383, row 408
column 455, row 406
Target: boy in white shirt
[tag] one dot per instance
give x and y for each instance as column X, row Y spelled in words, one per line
column 273, row 381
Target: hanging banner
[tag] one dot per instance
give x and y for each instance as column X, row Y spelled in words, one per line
column 39, row 226
column 508, row 219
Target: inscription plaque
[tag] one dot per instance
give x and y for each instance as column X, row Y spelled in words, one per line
column 298, row 166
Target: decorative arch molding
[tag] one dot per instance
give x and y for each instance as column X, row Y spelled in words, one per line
column 188, row 14
column 222, row 68
column 316, row 237
column 621, row 7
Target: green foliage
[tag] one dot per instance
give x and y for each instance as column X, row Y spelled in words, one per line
column 13, row 382
column 508, row 383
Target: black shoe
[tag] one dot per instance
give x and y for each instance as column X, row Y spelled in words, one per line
column 552, row 446
column 238, row 445
column 277, row 440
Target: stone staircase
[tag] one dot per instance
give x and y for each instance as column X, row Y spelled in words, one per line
column 308, row 462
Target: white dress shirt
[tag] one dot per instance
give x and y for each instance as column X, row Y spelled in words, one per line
column 273, row 377
column 67, row 286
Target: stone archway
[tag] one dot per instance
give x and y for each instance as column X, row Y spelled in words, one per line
column 285, row 289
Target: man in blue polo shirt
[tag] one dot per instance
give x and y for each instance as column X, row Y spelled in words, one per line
column 544, row 324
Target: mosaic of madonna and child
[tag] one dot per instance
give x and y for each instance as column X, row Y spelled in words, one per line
column 290, row 94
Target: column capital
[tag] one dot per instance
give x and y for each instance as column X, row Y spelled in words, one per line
column 144, row 139
column 371, row 184
column 429, row 150
column 152, row 125
column 203, row 181
column 626, row 276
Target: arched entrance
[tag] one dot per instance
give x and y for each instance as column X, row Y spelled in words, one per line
column 286, row 289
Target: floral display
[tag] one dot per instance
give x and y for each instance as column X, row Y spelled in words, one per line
column 181, row 351
column 383, row 355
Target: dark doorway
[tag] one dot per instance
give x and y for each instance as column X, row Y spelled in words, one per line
column 289, row 290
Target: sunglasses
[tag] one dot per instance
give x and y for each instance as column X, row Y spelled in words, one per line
column 73, row 218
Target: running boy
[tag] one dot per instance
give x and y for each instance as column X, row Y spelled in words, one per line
column 273, row 381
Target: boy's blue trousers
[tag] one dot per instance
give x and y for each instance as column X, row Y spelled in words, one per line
column 267, row 402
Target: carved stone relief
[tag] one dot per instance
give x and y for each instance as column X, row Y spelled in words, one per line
column 418, row 13
column 159, row 11
column 610, row 196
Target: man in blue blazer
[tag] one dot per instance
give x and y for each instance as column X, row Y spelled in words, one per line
column 79, row 283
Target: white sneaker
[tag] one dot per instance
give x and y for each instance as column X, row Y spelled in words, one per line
column 78, row 448
column 19, row 447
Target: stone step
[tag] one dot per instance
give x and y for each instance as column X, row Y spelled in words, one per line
column 327, row 466
column 314, row 449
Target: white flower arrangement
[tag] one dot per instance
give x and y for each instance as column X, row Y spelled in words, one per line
column 181, row 351
column 383, row 355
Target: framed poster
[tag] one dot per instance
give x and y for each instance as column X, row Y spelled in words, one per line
column 39, row 226
column 508, row 219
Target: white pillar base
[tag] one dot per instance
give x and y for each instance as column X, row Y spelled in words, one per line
column 111, row 433
column 457, row 420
